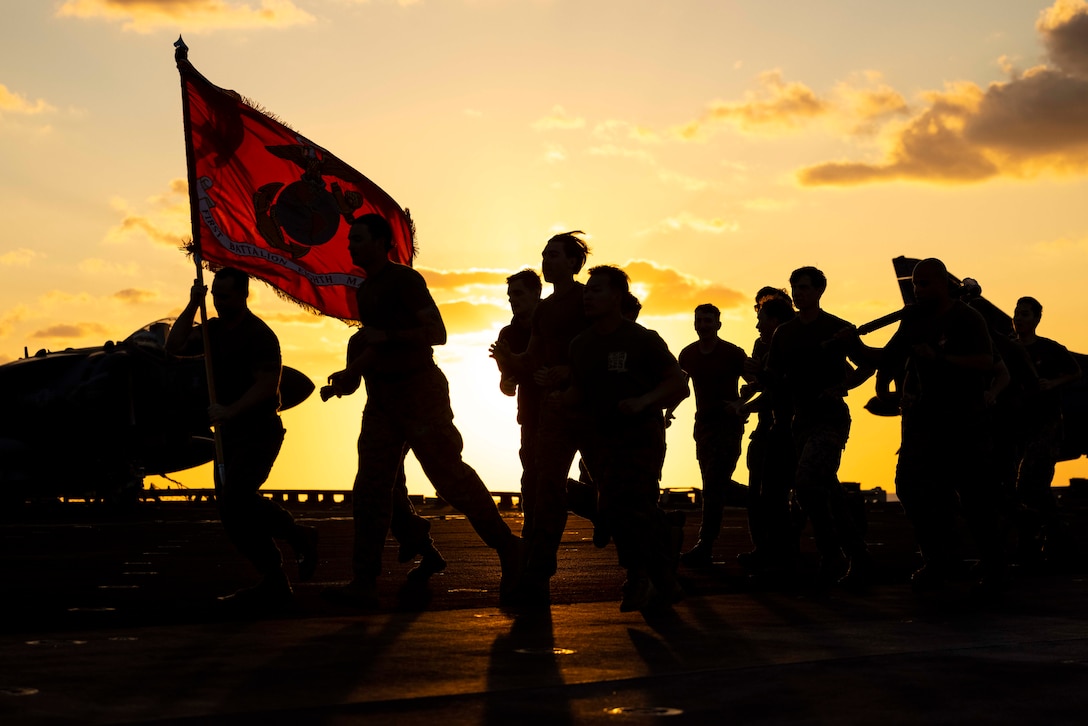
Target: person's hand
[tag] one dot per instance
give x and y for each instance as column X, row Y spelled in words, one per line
column 508, row 385
column 500, row 351
column 218, row 413
column 341, row 383
column 197, row 293
column 551, row 377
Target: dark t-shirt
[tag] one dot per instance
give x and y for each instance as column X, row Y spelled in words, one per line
column 516, row 336
column 238, row 355
column 556, row 321
column 935, row 385
column 809, row 372
column 714, row 375
column 1051, row 360
column 390, row 301
column 628, row 362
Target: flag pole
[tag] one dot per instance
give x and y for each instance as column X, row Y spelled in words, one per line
column 181, row 57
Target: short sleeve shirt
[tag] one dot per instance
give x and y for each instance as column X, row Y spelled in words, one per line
column 803, row 365
column 529, row 393
column 390, row 301
column 238, row 355
column 628, row 362
column 714, row 375
column 939, row 386
column 1051, row 360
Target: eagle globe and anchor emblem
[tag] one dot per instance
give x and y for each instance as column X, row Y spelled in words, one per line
column 301, row 215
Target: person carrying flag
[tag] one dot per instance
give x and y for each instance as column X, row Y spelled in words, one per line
column 246, row 364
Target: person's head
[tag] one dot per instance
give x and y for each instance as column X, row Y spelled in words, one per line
column 807, row 285
column 630, row 306
column 772, row 313
column 605, row 291
column 1026, row 316
column 767, row 292
column 370, row 238
column 523, row 292
column 931, row 283
column 230, row 289
column 563, row 256
column 708, row 320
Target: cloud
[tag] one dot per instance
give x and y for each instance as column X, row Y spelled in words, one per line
column 97, row 266
column 1021, row 128
column 862, row 104
column 622, row 152
column 559, row 120
column 145, row 16
column 616, row 130
column 777, row 107
column 462, row 280
column 63, row 297
column 77, row 330
column 856, row 107
column 461, row 316
column 20, row 257
column 476, row 298
column 166, row 220
column 12, row 102
column 135, row 296
column 666, row 291
column 555, row 154
column 11, row 318
column 686, row 220
column 1064, row 28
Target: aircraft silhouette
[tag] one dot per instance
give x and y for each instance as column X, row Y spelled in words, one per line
column 92, row 422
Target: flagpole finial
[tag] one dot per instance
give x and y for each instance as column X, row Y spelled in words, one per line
column 181, row 51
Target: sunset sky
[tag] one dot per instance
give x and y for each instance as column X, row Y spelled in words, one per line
column 708, row 147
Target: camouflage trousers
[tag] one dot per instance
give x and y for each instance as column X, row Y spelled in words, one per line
column 413, row 411
column 819, row 446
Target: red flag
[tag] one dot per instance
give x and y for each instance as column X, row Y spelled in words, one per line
column 271, row 202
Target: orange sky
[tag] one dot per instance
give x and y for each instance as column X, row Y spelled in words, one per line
column 708, row 147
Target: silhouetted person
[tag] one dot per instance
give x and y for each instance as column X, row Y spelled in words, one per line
column 582, row 492
column 246, row 365
column 623, row 377
column 715, row 367
column 557, row 320
column 523, row 291
column 1009, row 393
column 407, row 405
column 816, row 375
column 1056, row 368
column 771, row 457
column 943, row 355
column 410, row 530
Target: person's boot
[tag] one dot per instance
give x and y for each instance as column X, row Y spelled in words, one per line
column 430, row 563
column 699, row 556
